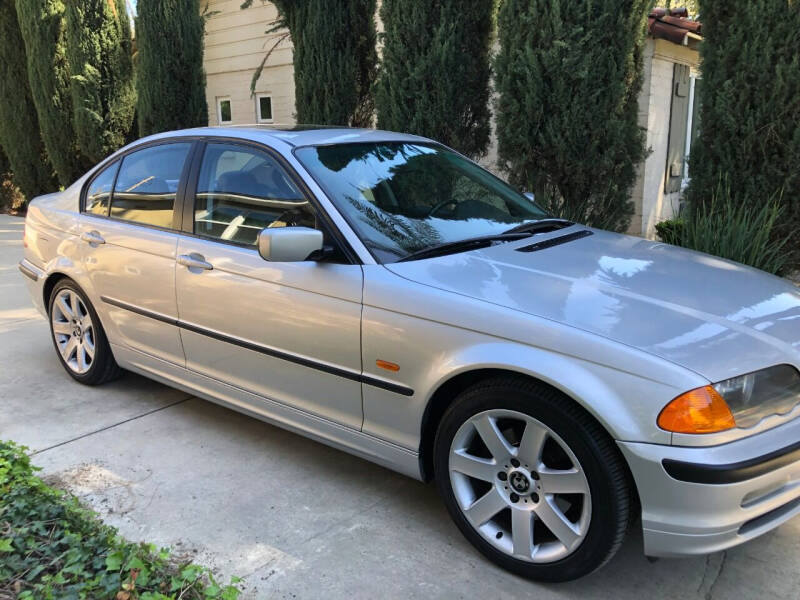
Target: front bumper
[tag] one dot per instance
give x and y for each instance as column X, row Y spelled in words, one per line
column 703, row 500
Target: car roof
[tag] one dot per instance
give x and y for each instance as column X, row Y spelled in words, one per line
column 297, row 135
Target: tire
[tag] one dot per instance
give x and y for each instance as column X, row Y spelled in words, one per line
column 566, row 472
column 78, row 337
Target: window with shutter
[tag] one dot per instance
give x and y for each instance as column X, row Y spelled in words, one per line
column 679, row 113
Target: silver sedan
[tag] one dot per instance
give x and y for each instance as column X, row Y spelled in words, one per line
column 385, row 295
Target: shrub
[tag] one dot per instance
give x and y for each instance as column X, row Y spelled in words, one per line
column 19, row 124
column 51, row 547
column 435, row 71
column 568, row 75
column 729, row 229
column 11, row 200
column 170, row 79
column 670, row 231
column 103, row 94
column 42, row 25
column 750, row 109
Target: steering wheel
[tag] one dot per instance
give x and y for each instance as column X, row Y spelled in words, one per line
column 291, row 217
column 439, row 207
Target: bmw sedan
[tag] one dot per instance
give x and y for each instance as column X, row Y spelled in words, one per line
column 385, row 295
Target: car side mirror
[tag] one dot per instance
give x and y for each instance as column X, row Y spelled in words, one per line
column 289, row 244
column 529, row 196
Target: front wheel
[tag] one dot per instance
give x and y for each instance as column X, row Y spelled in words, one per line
column 531, row 480
column 78, row 336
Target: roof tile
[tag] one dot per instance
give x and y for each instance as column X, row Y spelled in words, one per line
column 672, row 24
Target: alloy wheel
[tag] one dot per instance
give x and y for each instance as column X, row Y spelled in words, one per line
column 520, row 486
column 73, row 331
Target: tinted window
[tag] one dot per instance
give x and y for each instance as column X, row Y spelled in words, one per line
column 403, row 197
column 243, row 190
column 265, row 108
column 147, row 184
column 99, row 192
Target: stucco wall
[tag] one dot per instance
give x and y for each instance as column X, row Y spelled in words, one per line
column 235, row 45
column 652, row 204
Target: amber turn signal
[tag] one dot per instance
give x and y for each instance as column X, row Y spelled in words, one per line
column 385, row 364
column 698, row 411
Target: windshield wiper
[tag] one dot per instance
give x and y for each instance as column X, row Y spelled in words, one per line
column 464, row 245
column 540, row 226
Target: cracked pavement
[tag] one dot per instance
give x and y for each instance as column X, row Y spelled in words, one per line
column 294, row 517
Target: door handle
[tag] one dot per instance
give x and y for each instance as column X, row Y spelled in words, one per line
column 194, row 261
column 92, row 237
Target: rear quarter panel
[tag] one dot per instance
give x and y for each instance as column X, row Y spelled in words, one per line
column 52, row 239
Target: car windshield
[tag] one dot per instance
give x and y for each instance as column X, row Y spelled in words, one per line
column 404, row 197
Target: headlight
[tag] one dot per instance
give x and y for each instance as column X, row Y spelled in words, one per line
column 751, row 397
column 737, row 402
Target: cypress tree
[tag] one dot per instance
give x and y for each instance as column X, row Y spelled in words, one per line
column 170, row 79
column 435, row 71
column 43, row 31
column 19, row 125
column 335, row 59
column 99, row 55
column 749, row 138
column 568, row 75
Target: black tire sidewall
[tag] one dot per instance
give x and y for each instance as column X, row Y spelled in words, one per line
column 102, row 350
column 610, row 502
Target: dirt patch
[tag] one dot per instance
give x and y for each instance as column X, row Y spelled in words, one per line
column 106, row 492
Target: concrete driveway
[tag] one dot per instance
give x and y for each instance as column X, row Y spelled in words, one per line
column 295, row 518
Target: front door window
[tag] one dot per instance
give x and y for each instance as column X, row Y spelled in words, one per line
column 242, row 190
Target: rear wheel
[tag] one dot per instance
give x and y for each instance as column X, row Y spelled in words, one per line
column 78, row 336
column 532, row 481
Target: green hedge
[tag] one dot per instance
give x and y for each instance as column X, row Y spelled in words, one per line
column 44, row 33
column 170, row 78
column 52, row 548
column 334, row 58
column 568, row 76
column 750, row 109
column 100, row 59
column 435, row 71
column 19, row 123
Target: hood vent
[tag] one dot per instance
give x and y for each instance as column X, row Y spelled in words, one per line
column 555, row 241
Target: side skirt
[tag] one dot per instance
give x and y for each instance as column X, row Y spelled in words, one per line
column 355, row 442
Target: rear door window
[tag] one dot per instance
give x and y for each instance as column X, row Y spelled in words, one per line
column 147, row 184
column 99, row 193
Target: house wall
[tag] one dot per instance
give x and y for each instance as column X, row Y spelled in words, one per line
column 235, row 46
column 651, row 203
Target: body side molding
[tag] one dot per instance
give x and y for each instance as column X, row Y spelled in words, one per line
column 311, row 364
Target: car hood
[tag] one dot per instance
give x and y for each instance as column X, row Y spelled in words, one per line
column 718, row 318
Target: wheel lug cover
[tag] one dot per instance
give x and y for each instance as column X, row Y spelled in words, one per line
column 535, row 475
column 514, row 498
column 535, row 497
column 514, row 462
column 502, row 476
